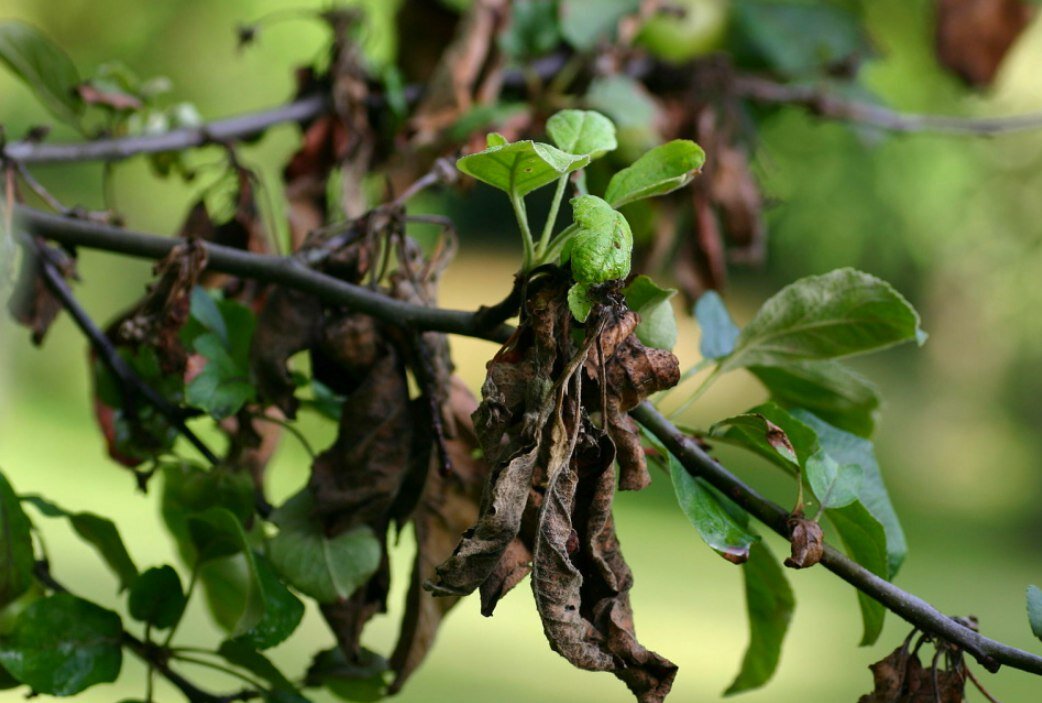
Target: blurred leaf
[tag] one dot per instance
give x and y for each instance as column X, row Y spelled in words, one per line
column 189, row 489
column 847, row 448
column 62, row 645
column 327, row 569
column 662, row 170
column 282, row 613
column 533, row 29
column 240, row 654
column 834, row 485
column 840, row 313
column 633, row 109
column 828, row 389
column 16, row 546
column 719, row 333
column 799, row 38
column 657, row 326
column 518, row 168
column 584, row 23
column 770, row 603
column 221, row 332
column 583, row 132
column 601, row 247
column 7, row 681
column 579, row 302
column 714, row 523
column 1035, row 610
column 755, row 432
column 362, row 679
column 42, row 66
column 865, row 542
column 157, row 597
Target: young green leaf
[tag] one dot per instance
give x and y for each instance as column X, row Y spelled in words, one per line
column 1035, row 610
column 157, row 597
column 840, row 313
column 518, row 168
column 41, row 65
column 714, row 523
column 283, row 611
column 757, row 433
column 826, row 388
column 582, row 132
column 834, row 485
column 865, row 542
column 662, row 170
column 601, row 248
column 579, row 302
column 770, row 603
column 658, row 326
column 62, row 645
column 16, row 546
column 719, row 333
column 327, row 569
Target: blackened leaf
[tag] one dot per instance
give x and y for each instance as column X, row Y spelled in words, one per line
column 327, row 569
column 835, row 485
column 586, row 22
column 582, row 132
column 770, row 603
column 826, row 388
column 238, row 653
column 157, row 598
column 865, row 542
column 755, row 432
column 714, row 523
column 16, row 546
column 662, row 170
column 846, row 448
column 837, row 314
column 719, row 333
column 518, row 168
column 601, row 248
column 283, row 611
column 62, row 645
column 1035, row 610
column 46, row 69
column 658, row 326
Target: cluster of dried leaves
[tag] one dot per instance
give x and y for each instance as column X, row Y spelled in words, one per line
column 900, row 677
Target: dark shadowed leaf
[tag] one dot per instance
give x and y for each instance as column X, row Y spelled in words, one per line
column 7, row 681
column 835, row 485
column 364, row 679
column 16, row 546
column 519, row 168
column 770, row 603
column 586, row 22
column 714, row 523
column 837, row 314
column 579, row 302
column 658, row 326
column 327, row 569
column 157, row 598
column 62, row 645
column 1035, row 610
column 719, row 333
column 865, row 543
column 42, row 66
column 238, row 653
column 189, row 489
column 662, row 170
column 582, row 132
column 601, row 247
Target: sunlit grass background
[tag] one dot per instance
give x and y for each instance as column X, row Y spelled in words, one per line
column 954, row 223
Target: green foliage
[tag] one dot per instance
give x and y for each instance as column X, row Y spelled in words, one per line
column 582, row 132
column 16, row 546
column 756, row 432
column 220, row 331
column 834, row 485
column 518, row 168
column 719, row 333
column 363, row 679
column 157, row 598
column 662, row 170
column 602, row 244
column 533, row 29
column 584, row 23
column 865, row 542
column 45, row 68
column 828, row 389
column 658, row 325
column 1034, row 595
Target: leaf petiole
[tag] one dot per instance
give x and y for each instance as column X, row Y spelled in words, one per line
column 526, row 233
column 551, row 219
column 699, row 392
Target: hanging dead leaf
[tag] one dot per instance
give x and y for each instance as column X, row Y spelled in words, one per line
column 807, row 543
column 32, row 304
column 974, row 36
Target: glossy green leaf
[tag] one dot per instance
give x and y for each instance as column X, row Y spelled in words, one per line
column 601, row 248
column 834, row 485
column 1035, row 610
column 42, row 66
column 518, row 168
column 283, row 611
column 579, row 302
column 240, row 654
column 156, row 597
column 658, row 325
column 847, row 448
column 327, row 569
column 715, row 525
column 62, row 645
column 532, row 31
column 837, row 314
column 865, row 542
column 826, row 388
column 363, row 680
column 582, row 132
column 770, row 603
column 719, row 333
column 754, row 431
column 16, row 546
column 584, row 23
column 662, row 170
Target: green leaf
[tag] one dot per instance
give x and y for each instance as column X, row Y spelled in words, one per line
column 283, row 611
column 62, row 645
column 220, row 331
column 826, row 388
column 582, row 132
column 754, row 431
column 579, row 301
column 662, row 170
column 584, row 23
column 847, row 448
column 42, row 66
column 157, row 597
column 16, row 546
column 327, row 569
column 837, row 314
column 532, row 31
column 633, row 109
column 362, row 679
column 834, row 485
column 658, row 326
column 770, row 603
column 518, row 168
column 238, row 653
column 7, row 681
column 715, row 525
column 602, row 245
column 189, row 489
column 1035, row 610
column 719, row 333
column 101, row 533
column 865, row 542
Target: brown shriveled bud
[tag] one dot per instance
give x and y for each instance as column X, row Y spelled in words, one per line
column 807, row 543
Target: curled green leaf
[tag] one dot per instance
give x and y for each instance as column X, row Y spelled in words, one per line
column 602, row 245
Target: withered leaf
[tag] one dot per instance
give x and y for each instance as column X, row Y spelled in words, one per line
column 807, row 543
column 901, row 678
column 974, row 36
column 288, row 323
column 32, row 304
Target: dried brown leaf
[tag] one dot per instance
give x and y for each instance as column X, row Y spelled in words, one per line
column 807, row 543
column 974, row 36
column 33, row 304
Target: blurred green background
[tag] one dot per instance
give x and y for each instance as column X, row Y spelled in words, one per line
column 954, row 223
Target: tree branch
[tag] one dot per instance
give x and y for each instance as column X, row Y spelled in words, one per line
column 824, row 104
